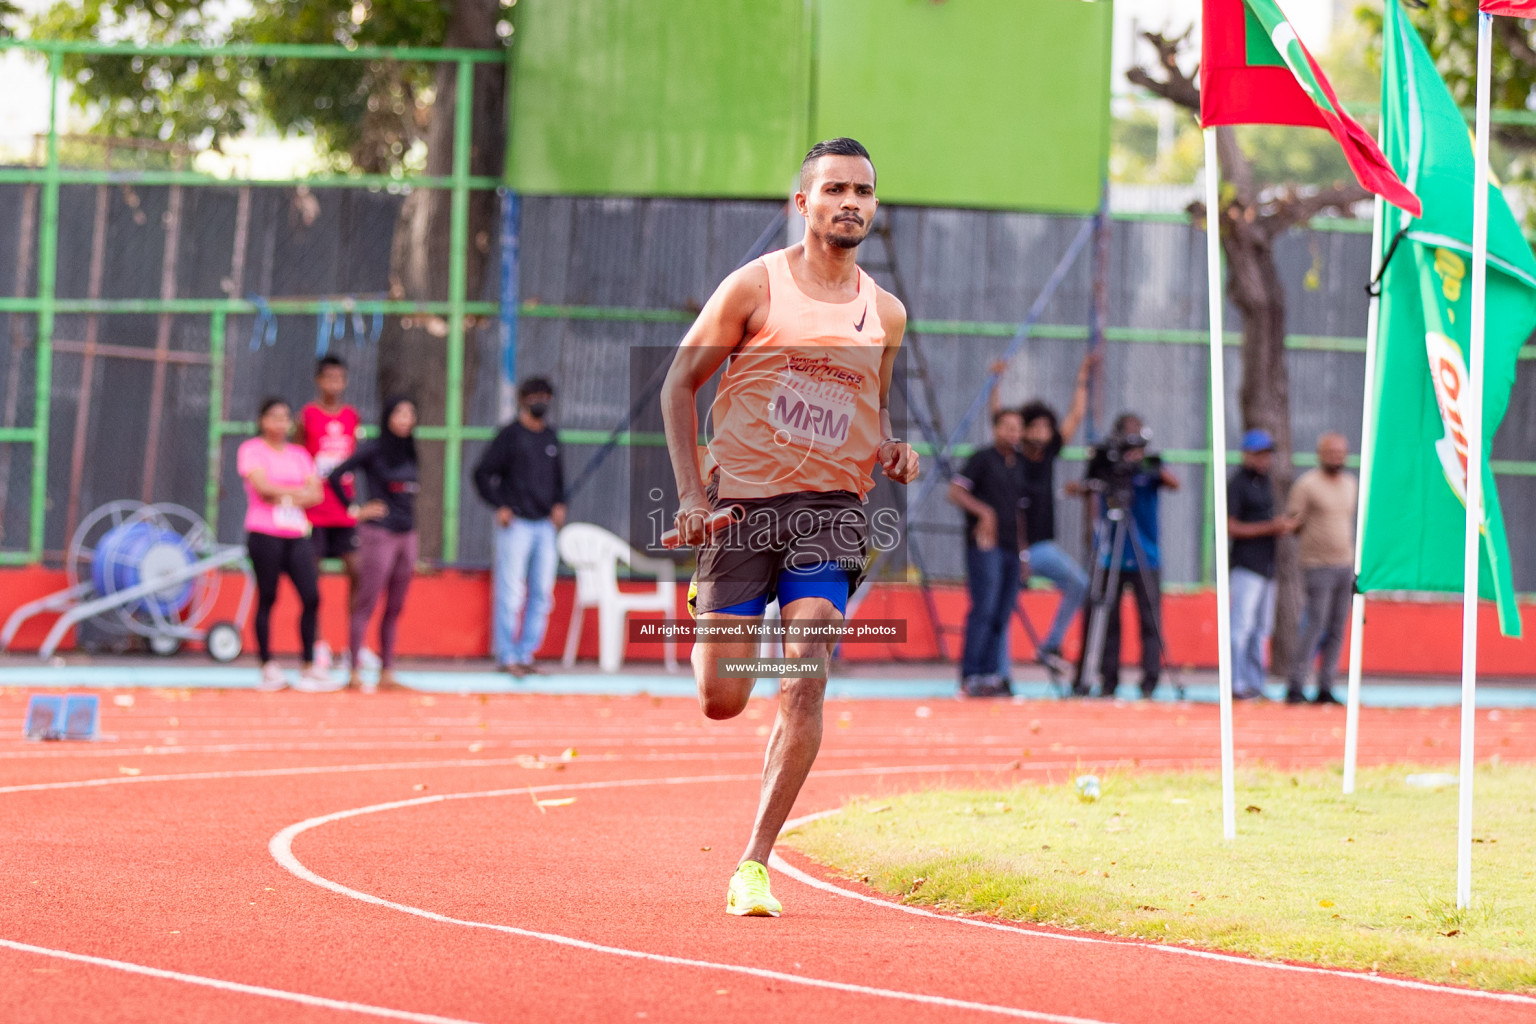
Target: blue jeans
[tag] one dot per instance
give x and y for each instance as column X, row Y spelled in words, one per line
column 1253, row 619
column 993, row 580
column 524, row 585
column 1048, row 559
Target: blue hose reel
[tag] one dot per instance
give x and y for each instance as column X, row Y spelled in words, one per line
column 138, row 551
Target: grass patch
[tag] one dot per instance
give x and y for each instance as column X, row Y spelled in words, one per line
column 1364, row 882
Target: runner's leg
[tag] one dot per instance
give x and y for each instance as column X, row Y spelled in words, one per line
column 796, row 735
column 723, row 697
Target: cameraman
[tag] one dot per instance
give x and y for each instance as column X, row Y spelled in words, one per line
column 1126, row 477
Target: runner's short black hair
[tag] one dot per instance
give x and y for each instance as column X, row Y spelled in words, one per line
column 326, row 362
column 1039, row 410
column 535, row 386
column 841, row 146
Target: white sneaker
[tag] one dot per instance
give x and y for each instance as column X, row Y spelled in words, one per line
column 366, row 659
column 312, row 680
column 322, row 656
column 272, row 678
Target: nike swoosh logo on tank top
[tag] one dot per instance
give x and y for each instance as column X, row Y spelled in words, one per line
column 862, row 317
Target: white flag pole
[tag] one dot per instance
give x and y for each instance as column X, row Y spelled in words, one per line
column 1219, row 480
column 1472, row 419
column 1367, row 440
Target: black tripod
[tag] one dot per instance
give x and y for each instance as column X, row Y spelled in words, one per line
column 1110, row 538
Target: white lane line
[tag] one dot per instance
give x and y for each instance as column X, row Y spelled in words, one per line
column 780, row 864
column 755, row 754
column 281, row 847
column 235, row 986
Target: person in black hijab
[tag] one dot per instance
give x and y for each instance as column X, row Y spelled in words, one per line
column 387, row 470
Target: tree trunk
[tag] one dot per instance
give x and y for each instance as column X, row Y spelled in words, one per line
column 1255, row 288
column 413, row 351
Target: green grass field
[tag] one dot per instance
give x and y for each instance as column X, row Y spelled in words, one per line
column 1364, row 882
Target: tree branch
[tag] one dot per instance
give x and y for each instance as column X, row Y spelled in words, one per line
column 1290, row 208
column 1174, row 85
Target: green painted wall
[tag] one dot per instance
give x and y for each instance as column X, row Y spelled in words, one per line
column 641, row 97
column 986, row 103
column 983, row 103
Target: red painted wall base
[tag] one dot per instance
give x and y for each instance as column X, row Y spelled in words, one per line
column 448, row 615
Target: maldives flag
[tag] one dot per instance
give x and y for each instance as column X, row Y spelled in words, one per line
column 1254, row 70
column 1509, row 8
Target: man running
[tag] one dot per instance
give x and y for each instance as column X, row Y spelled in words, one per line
column 800, row 417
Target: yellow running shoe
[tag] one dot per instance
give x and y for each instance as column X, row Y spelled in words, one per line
column 749, row 895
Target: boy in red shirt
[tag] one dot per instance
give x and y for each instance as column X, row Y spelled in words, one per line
column 328, row 429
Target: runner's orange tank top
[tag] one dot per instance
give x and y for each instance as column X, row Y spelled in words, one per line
column 798, row 407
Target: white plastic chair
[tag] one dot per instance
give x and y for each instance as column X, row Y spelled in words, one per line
column 595, row 554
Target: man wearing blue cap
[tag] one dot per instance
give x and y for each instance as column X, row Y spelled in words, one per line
column 1253, row 525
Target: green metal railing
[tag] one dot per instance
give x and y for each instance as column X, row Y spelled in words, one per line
column 51, row 176
column 46, row 305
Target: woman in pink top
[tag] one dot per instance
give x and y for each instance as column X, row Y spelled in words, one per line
column 280, row 483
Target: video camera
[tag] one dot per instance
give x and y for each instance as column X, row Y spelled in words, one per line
column 1114, row 462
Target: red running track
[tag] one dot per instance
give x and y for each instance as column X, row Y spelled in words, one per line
column 291, row 857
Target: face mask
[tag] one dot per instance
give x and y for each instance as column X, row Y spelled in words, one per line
column 538, row 410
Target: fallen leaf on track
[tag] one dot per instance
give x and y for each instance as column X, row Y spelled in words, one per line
column 564, row 801
column 419, row 786
column 129, row 771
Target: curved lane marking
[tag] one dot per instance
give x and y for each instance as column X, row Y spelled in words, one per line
column 780, row 864
column 775, row 861
column 282, row 851
column 235, row 986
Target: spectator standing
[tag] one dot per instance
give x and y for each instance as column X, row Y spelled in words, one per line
column 1148, row 478
column 989, row 488
column 1322, row 503
column 520, row 476
column 280, row 483
column 328, row 430
column 1041, row 445
column 387, row 542
column 1253, row 526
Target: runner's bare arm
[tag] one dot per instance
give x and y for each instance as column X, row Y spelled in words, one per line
column 899, row 460
column 735, row 312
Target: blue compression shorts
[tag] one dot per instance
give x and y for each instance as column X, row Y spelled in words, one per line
column 825, row 581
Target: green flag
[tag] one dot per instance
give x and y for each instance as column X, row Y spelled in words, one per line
column 1416, row 499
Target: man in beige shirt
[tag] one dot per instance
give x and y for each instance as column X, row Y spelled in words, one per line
column 1323, row 502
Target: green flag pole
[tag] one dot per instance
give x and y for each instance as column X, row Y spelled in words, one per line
column 1218, row 476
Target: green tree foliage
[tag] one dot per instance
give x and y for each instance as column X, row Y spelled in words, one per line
column 369, row 115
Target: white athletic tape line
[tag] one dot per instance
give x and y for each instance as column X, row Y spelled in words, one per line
column 235, row 986
column 281, row 847
column 780, row 864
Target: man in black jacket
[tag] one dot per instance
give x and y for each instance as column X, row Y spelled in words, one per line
column 520, row 476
